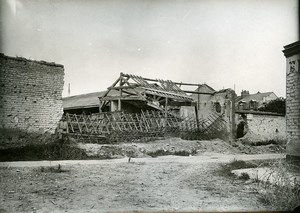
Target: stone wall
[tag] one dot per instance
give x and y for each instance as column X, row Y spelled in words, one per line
column 221, row 102
column 30, row 95
column 292, row 54
column 262, row 127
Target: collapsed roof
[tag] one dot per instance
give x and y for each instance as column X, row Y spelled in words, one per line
column 137, row 88
column 139, row 92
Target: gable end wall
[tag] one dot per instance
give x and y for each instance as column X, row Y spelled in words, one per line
column 30, row 94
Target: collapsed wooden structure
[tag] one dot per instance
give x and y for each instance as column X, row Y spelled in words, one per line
column 122, row 126
column 137, row 93
column 134, row 107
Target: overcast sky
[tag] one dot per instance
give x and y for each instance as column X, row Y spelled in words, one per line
column 219, row 42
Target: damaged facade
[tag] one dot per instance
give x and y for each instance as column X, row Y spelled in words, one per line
column 31, row 95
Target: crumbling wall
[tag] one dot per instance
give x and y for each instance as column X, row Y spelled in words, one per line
column 222, row 103
column 30, row 95
column 262, row 128
column 292, row 54
column 225, row 100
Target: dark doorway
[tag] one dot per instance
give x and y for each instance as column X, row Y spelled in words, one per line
column 240, row 129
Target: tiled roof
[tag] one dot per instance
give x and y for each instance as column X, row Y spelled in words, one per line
column 84, row 100
column 257, row 97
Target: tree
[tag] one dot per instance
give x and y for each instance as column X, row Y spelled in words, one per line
column 277, row 106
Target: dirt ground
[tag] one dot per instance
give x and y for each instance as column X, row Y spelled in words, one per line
column 165, row 183
column 172, row 183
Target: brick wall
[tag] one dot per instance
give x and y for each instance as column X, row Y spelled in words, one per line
column 292, row 53
column 30, row 95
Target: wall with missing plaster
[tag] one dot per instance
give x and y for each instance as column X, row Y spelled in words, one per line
column 30, row 94
column 259, row 127
column 292, row 54
column 221, row 103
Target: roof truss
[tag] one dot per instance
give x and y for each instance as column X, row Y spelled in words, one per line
column 133, row 87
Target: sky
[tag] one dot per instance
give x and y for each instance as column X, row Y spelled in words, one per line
column 223, row 43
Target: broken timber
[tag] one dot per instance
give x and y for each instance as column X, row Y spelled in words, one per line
column 121, row 126
column 132, row 88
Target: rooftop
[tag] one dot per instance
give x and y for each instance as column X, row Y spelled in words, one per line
column 256, row 97
column 88, row 100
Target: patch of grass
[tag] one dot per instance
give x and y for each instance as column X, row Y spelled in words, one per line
column 283, row 192
column 159, row 152
column 162, row 152
column 183, row 153
column 225, row 169
column 52, row 169
column 50, row 151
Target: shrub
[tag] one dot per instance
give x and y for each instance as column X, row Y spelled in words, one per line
column 244, row 176
column 283, row 192
column 277, row 106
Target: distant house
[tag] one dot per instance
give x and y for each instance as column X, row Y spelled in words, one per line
column 254, row 101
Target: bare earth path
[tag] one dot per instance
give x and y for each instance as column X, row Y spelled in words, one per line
column 147, row 184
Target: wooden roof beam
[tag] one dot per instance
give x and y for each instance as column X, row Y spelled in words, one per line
column 155, row 80
column 114, row 84
column 123, row 87
column 114, row 98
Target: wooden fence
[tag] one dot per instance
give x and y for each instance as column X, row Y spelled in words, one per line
column 120, row 126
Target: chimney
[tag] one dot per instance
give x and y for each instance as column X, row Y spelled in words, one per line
column 244, row 93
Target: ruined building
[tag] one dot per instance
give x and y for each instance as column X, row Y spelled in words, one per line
column 292, row 54
column 131, row 93
column 136, row 94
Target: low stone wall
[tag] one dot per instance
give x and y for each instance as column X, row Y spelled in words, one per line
column 262, row 127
